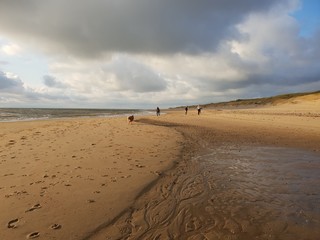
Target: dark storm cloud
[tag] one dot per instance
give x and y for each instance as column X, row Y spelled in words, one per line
column 91, row 28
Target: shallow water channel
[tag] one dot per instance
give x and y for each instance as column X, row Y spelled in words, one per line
column 263, row 193
column 229, row 193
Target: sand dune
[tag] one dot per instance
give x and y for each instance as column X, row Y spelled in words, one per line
column 300, row 100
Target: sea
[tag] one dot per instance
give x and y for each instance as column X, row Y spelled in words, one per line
column 29, row 114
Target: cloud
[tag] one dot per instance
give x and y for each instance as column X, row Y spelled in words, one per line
column 271, row 51
column 3, row 62
column 14, row 91
column 131, row 75
column 94, row 28
column 11, row 49
column 10, row 83
column 51, row 82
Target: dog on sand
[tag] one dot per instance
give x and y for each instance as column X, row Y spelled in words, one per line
column 130, row 119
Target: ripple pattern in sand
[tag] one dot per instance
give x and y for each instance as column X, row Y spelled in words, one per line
column 229, row 194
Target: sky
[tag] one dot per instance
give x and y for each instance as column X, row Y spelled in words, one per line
column 148, row 53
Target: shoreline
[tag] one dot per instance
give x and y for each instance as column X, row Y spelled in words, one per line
column 47, row 114
column 166, row 148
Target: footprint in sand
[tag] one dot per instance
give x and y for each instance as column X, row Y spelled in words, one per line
column 11, row 142
column 156, row 173
column 126, row 176
column 8, row 174
column 55, row 226
column 8, row 195
column 33, row 235
column 34, row 207
column 139, row 166
column 13, row 223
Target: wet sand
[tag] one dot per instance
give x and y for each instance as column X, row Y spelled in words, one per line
column 223, row 195
column 230, row 174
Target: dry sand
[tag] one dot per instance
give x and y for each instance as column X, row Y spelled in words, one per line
column 239, row 174
column 77, row 174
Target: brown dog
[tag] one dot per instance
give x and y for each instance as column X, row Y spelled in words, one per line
column 130, row 119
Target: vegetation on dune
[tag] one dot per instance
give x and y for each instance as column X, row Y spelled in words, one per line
column 261, row 101
column 244, row 103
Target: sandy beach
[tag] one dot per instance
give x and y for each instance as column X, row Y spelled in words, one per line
column 226, row 174
column 74, row 174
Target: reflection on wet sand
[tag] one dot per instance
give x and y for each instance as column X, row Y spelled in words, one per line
column 229, row 193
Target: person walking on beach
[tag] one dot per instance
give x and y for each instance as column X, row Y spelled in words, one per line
column 199, row 109
column 158, row 111
column 186, row 110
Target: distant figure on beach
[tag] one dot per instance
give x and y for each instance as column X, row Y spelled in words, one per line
column 130, row 119
column 186, row 110
column 199, row 109
column 158, row 111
